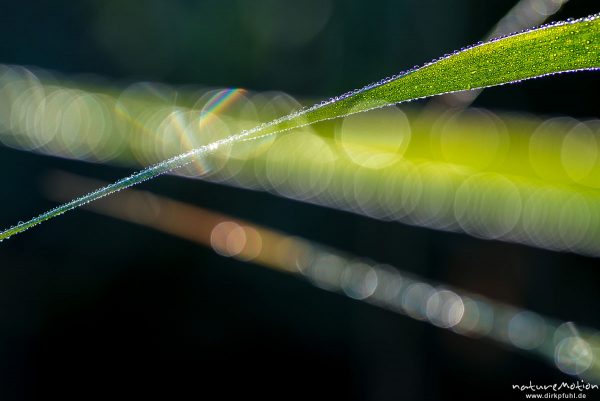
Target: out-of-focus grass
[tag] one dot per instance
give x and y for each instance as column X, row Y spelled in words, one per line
column 495, row 175
column 573, row 350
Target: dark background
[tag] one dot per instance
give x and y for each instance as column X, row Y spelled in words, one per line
column 95, row 308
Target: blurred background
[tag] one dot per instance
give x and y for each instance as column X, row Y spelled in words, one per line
column 93, row 307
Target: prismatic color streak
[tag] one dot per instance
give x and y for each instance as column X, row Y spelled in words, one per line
column 218, row 103
column 191, row 133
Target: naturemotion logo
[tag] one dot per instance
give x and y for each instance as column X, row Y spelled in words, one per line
column 557, row 391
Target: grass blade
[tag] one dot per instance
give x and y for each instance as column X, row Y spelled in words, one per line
column 561, row 47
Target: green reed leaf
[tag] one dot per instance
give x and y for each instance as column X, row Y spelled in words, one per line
column 562, row 47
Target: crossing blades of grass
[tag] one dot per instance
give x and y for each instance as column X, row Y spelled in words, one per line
column 561, row 47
